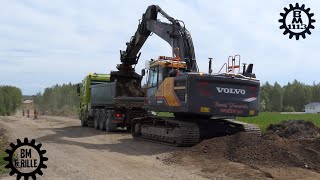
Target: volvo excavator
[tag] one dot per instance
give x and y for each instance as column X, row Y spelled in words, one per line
column 203, row 105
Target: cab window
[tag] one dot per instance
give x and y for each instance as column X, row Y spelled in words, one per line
column 83, row 87
column 153, row 77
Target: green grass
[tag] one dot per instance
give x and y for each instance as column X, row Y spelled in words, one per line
column 3, row 154
column 267, row 118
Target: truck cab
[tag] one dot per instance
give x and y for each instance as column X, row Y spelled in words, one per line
column 83, row 89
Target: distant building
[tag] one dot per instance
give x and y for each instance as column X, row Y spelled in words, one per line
column 312, row 108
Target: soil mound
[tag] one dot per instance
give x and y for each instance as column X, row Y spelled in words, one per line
column 295, row 129
column 269, row 150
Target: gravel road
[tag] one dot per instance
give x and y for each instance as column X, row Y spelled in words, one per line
column 85, row 153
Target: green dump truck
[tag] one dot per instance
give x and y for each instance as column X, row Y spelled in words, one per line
column 107, row 104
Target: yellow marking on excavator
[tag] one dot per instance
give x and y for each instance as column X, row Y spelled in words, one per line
column 179, row 87
column 168, row 63
column 204, row 109
column 166, row 92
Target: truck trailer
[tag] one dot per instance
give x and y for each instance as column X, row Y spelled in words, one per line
column 108, row 104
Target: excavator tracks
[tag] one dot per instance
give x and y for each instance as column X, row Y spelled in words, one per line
column 175, row 132
column 166, row 131
column 248, row 128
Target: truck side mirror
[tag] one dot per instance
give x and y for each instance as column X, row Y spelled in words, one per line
column 143, row 72
column 78, row 89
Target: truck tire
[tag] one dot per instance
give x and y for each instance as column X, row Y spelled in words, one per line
column 90, row 121
column 97, row 119
column 83, row 118
column 90, row 115
column 109, row 126
column 103, row 119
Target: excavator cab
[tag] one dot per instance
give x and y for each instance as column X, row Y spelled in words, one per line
column 159, row 70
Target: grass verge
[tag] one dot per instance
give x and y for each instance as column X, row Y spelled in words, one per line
column 266, row 118
column 3, row 147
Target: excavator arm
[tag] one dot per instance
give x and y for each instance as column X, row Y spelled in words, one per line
column 176, row 35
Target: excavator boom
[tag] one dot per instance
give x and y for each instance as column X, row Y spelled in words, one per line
column 173, row 33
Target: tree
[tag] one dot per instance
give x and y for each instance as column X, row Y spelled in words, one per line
column 58, row 98
column 315, row 92
column 265, row 95
column 291, row 97
column 276, row 98
column 10, row 99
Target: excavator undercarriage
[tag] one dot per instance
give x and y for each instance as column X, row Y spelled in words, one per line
column 186, row 133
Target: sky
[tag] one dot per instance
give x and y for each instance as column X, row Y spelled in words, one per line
column 43, row 43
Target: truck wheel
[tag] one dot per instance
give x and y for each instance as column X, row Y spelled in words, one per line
column 83, row 117
column 96, row 119
column 89, row 119
column 109, row 126
column 103, row 119
column 90, row 116
column 90, row 122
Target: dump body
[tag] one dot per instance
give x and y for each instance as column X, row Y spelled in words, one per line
column 106, row 95
column 103, row 94
column 107, row 103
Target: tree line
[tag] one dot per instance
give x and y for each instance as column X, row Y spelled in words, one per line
column 288, row 98
column 58, row 100
column 10, row 100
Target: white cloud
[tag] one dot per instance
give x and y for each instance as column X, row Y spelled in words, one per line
column 44, row 42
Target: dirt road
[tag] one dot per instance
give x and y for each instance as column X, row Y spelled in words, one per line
column 85, row 153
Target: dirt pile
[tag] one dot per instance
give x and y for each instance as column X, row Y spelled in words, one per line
column 270, row 150
column 295, row 129
column 129, row 87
